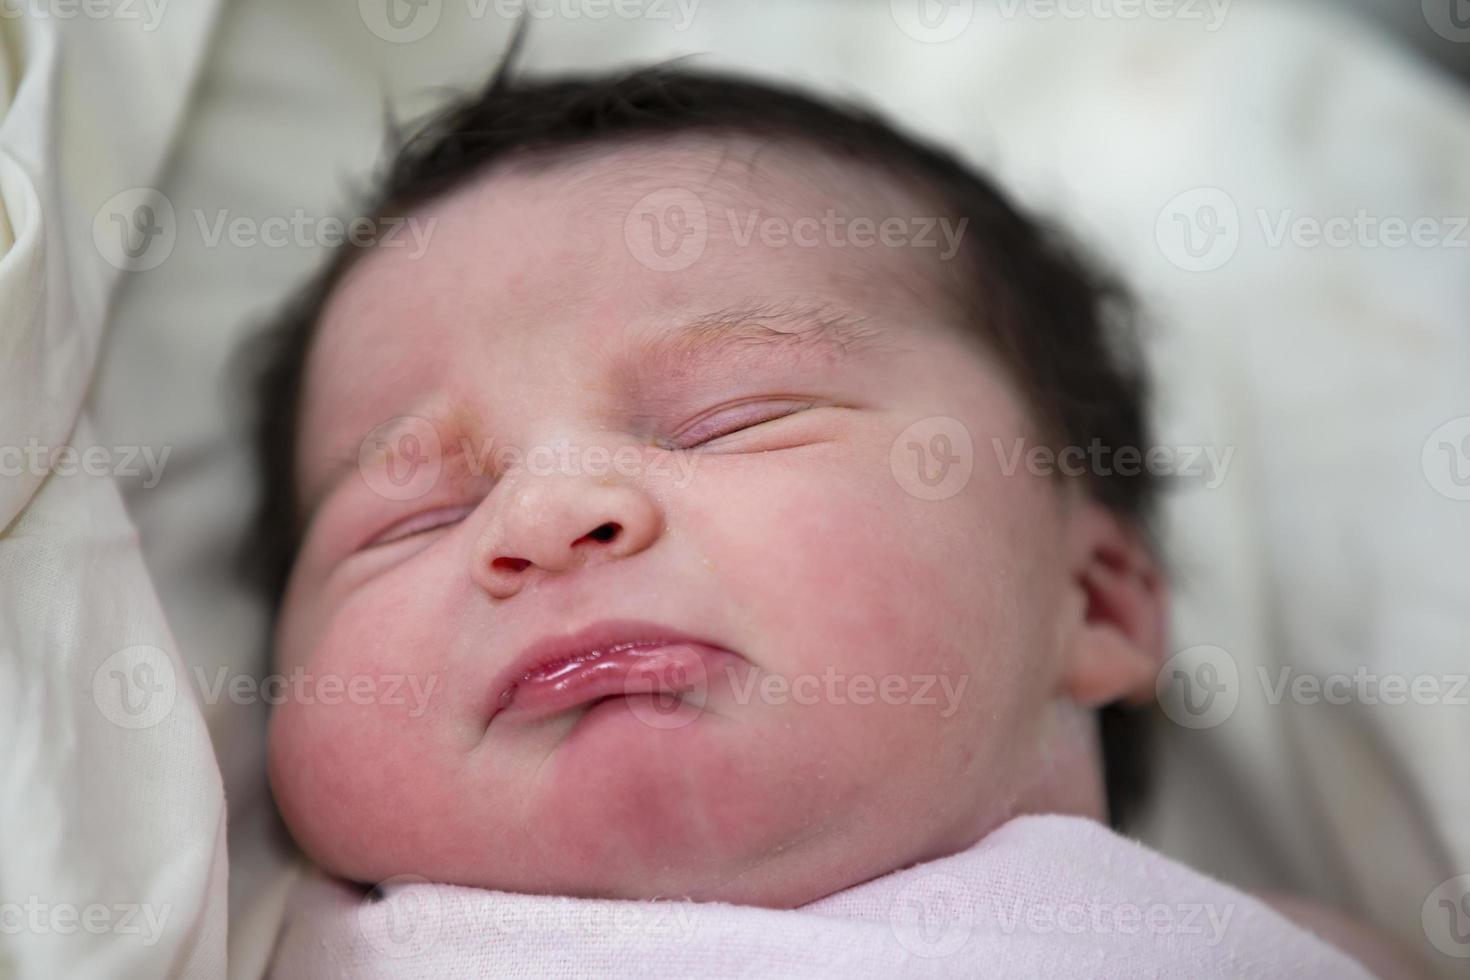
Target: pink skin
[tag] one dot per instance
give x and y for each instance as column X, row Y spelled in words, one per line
column 528, row 321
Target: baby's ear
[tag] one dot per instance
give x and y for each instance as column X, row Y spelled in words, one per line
column 1118, row 604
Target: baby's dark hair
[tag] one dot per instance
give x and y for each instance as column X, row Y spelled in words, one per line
column 1062, row 330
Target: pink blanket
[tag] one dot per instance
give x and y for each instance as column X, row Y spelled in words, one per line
column 1043, row 896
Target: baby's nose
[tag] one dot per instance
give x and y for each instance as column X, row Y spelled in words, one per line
column 555, row 524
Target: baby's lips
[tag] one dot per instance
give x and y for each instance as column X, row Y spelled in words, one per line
column 619, row 659
column 670, row 672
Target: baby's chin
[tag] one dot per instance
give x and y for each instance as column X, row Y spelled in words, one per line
column 724, row 808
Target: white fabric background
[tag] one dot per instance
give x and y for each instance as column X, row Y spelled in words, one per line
column 1326, row 369
column 93, row 812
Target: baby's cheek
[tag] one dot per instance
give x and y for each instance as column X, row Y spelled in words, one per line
column 355, row 735
column 871, row 583
column 895, row 626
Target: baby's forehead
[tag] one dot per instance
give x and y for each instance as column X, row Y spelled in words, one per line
column 552, row 263
column 600, row 237
column 744, row 173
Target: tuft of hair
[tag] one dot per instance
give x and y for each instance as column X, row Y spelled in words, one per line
column 1064, row 331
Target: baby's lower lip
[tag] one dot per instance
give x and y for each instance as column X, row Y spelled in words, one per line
column 674, row 668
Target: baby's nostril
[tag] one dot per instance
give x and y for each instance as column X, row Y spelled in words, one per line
column 510, row 564
column 603, row 532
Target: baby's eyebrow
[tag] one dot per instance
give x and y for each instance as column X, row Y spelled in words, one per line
column 757, row 329
column 665, row 366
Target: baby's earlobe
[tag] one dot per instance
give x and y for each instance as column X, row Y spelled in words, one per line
column 1117, row 647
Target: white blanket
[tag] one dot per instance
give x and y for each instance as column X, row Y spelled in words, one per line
column 1045, row 896
column 112, row 810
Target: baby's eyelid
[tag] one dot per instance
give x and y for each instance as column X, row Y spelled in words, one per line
column 730, row 419
column 428, row 520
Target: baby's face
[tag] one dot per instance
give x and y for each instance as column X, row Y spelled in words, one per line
column 655, row 544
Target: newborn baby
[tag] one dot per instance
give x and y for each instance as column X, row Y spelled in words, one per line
column 691, row 472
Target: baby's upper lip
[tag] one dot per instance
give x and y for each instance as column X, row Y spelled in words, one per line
column 552, row 653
